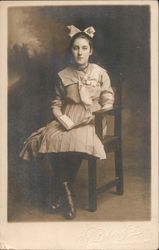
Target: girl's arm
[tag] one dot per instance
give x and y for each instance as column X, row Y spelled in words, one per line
column 107, row 94
column 58, row 102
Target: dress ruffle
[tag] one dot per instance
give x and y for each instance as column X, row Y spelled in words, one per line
column 54, row 137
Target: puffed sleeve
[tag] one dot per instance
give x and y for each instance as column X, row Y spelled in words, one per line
column 107, row 94
column 58, row 101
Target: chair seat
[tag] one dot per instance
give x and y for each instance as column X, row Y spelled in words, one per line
column 111, row 143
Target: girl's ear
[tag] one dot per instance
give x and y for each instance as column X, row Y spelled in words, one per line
column 91, row 52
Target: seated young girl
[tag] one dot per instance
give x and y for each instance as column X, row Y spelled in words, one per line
column 81, row 89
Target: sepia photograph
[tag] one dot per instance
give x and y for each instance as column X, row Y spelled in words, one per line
column 79, row 122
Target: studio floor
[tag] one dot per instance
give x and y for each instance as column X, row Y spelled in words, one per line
column 133, row 205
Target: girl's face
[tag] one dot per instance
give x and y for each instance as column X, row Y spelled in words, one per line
column 81, row 51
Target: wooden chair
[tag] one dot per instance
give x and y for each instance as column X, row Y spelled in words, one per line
column 112, row 143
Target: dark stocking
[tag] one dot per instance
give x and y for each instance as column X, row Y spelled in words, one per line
column 74, row 161
column 56, row 183
column 65, row 167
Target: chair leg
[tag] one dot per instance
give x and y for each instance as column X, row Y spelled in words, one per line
column 119, row 172
column 92, row 192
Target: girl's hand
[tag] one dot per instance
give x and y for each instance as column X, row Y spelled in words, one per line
column 107, row 107
column 88, row 120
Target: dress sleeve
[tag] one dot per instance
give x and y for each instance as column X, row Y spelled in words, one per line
column 58, row 101
column 107, row 93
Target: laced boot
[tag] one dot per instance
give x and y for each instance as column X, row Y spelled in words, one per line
column 67, row 203
column 55, row 206
column 54, row 198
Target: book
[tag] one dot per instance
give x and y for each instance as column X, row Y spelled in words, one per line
column 66, row 122
column 69, row 124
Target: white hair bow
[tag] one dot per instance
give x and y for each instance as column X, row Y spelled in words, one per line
column 73, row 31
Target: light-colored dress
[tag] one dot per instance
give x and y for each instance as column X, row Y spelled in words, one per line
column 78, row 94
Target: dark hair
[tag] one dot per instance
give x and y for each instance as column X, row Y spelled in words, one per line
column 68, row 58
column 81, row 35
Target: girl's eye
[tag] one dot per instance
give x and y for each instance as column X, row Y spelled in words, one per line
column 75, row 48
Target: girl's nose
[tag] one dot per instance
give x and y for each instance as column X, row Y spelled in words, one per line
column 79, row 52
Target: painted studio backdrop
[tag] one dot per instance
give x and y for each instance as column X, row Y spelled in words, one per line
column 37, row 41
